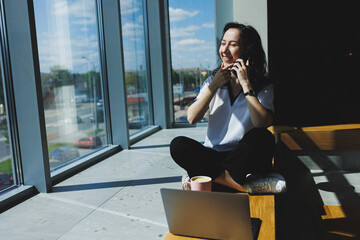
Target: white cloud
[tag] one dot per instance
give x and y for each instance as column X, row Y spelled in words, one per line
column 180, row 34
column 189, row 60
column 128, row 7
column 184, row 32
column 191, row 28
column 189, row 42
column 84, row 21
column 138, row 40
column 132, row 29
column 60, row 46
column 209, row 25
column 191, row 45
column 80, row 12
column 51, row 34
column 64, row 51
column 179, row 14
column 140, row 19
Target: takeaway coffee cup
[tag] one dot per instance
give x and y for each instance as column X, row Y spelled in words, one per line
column 199, row 183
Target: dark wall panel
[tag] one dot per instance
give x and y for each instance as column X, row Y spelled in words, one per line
column 314, row 61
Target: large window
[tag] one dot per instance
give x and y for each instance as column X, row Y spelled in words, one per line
column 135, row 63
column 193, row 50
column 68, row 44
column 6, row 160
column 6, row 169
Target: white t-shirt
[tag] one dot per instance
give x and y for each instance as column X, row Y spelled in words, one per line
column 229, row 123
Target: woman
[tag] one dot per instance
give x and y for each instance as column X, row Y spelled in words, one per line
column 239, row 97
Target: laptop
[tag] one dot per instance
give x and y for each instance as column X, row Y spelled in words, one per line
column 211, row 215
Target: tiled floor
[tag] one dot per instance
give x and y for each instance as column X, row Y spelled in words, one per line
column 119, row 197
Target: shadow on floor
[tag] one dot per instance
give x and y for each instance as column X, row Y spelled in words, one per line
column 297, row 210
column 339, row 222
column 300, row 212
column 125, row 183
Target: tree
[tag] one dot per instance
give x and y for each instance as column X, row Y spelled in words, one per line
column 175, row 77
column 60, row 76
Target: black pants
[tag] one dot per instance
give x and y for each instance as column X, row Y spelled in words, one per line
column 253, row 154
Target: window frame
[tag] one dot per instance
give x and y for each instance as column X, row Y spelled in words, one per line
column 21, row 61
column 9, row 102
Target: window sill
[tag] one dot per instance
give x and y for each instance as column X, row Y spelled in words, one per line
column 143, row 134
column 15, row 195
column 77, row 166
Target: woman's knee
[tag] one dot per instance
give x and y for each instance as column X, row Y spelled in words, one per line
column 178, row 147
column 261, row 134
column 177, row 143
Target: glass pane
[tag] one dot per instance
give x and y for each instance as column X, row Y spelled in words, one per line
column 193, row 50
column 132, row 21
column 6, row 169
column 68, row 46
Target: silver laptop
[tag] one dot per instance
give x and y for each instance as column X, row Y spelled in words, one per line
column 213, row 215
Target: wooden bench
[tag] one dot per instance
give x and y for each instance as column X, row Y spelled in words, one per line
column 261, row 206
column 331, row 137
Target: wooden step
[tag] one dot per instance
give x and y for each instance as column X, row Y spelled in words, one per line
column 331, row 137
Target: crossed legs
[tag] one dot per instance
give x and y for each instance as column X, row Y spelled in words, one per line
column 253, row 154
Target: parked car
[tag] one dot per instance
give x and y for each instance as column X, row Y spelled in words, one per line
column 65, row 153
column 88, row 142
column 99, row 115
column 100, row 103
column 137, row 122
column 80, row 99
column 182, row 119
column 5, row 179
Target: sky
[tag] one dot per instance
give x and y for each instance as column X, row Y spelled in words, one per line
column 67, row 34
column 192, row 32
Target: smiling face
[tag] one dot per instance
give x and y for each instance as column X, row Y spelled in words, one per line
column 231, row 47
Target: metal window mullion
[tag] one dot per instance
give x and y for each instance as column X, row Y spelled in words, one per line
column 9, row 102
column 23, row 55
column 168, row 63
column 103, row 72
column 115, row 72
column 148, row 63
column 158, row 47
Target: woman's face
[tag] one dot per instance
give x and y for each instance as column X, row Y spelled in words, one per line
column 231, row 47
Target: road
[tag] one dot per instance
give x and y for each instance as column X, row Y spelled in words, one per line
column 68, row 129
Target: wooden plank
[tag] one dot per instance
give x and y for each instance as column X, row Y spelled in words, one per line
column 333, row 137
column 261, row 206
column 341, row 222
column 333, row 212
column 322, row 140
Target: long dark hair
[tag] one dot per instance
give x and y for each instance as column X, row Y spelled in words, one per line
column 253, row 50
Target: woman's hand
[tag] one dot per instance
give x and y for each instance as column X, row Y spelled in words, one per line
column 198, row 109
column 221, row 77
column 242, row 73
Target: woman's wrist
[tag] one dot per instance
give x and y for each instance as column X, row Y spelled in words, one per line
column 246, row 87
column 213, row 86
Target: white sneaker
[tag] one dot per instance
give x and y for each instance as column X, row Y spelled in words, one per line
column 185, row 178
column 272, row 183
